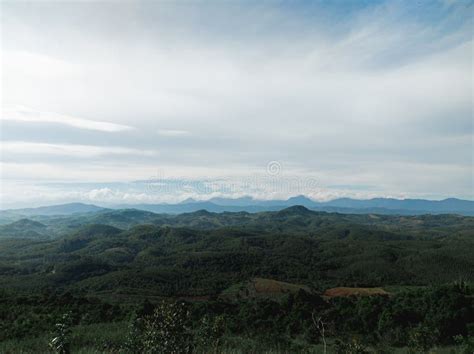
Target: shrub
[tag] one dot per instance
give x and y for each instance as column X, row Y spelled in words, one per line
column 209, row 333
column 61, row 341
column 166, row 330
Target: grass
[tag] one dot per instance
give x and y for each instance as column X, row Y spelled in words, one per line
column 97, row 338
column 29, row 345
column 94, row 338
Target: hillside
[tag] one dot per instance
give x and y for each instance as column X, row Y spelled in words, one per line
column 24, row 228
column 203, row 253
column 267, row 272
column 292, row 220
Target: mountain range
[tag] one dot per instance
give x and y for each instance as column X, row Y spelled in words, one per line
column 385, row 206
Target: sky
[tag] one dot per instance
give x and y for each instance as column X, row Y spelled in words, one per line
column 123, row 102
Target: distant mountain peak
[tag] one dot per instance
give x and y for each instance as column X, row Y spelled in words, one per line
column 241, row 201
column 299, row 199
column 295, row 209
column 188, row 201
column 59, row 209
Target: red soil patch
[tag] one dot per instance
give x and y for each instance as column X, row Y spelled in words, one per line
column 269, row 286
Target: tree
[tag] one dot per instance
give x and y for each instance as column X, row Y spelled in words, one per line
column 319, row 324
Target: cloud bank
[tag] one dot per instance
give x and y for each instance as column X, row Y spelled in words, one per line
column 372, row 94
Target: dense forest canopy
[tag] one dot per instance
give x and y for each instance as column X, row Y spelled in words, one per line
column 263, row 272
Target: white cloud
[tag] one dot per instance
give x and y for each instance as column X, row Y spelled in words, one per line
column 24, row 114
column 172, row 132
column 68, row 150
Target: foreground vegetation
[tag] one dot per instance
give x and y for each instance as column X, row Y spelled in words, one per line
column 419, row 320
column 237, row 282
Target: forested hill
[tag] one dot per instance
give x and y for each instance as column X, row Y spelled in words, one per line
column 292, row 220
column 263, row 272
column 202, row 253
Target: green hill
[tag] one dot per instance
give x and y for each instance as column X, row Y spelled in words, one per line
column 24, row 228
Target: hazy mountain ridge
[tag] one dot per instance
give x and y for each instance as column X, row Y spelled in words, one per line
column 248, row 204
column 292, row 219
column 59, row 209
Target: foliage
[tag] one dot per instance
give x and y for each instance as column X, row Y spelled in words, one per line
column 465, row 344
column 209, row 333
column 354, row 346
column 166, row 330
column 245, row 278
column 422, row 339
column 60, row 342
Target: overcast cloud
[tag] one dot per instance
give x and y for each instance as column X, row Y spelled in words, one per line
column 367, row 98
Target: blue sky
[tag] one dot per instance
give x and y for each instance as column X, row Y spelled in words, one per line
column 347, row 98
